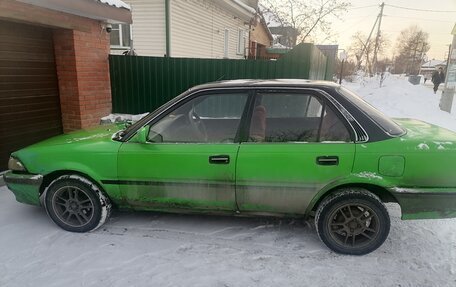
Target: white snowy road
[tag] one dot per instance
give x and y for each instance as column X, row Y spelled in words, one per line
column 153, row 249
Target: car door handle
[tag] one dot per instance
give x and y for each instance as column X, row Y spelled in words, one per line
column 219, row 159
column 328, row 160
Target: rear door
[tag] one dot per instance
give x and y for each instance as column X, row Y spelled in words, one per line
column 297, row 143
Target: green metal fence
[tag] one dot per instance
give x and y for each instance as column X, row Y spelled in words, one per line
column 141, row 84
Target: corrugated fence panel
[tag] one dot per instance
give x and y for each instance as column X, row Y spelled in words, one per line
column 141, row 84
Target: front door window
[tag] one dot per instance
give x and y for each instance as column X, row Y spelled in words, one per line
column 206, row 119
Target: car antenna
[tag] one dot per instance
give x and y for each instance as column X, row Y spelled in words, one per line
column 221, row 78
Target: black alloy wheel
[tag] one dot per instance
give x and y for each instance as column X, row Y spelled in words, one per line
column 352, row 221
column 76, row 204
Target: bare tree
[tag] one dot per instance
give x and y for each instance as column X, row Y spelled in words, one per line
column 362, row 49
column 348, row 70
column 411, row 46
column 306, row 18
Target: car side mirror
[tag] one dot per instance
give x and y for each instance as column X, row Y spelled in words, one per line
column 141, row 135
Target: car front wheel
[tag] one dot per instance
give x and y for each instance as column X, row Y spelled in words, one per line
column 352, row 221
column 76, row 204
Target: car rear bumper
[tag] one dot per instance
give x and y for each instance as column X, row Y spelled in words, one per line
column 26, row 187
column 426, row 203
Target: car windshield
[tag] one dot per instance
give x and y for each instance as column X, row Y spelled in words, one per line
column 378, row 117
column 120, row 135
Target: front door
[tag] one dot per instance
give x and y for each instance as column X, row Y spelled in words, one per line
column 189, row 159
column 296, row 145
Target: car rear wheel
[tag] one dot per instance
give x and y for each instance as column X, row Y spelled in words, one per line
column 76, row 204
column 352, row 221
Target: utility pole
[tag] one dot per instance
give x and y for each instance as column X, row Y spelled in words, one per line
column 366, row 44
column 447, row 99
column 377, row 20
column 378, row 36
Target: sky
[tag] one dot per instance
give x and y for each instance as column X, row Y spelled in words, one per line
column 362, row 18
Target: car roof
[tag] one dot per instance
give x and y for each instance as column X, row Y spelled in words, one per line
column 241, row 83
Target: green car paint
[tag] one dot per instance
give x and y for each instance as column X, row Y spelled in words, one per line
column 424, row 185
column 284, row 177
column 177, row 175
column 89, row 152
column 416, row 170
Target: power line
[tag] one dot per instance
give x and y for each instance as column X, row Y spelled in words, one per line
column 422, row 10
column 421, row 19
column 362, row 7
column 362, row 20
column 398, row 31
column 368, row 39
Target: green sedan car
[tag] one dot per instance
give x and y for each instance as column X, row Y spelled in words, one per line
column 292, row 148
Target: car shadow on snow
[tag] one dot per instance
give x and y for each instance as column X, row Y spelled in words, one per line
column 214, row 228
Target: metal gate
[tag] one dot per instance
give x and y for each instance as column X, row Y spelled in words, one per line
column 141, row 84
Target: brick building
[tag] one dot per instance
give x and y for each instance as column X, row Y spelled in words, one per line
column 54, row 69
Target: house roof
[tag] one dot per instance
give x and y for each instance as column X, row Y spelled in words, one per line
column 113, row 11
column 115, row 3
column 245, row 6
column 433, row 63
column 239, row 8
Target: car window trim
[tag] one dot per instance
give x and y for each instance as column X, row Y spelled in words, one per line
column 404, row 131
column 349, row 118
column 323, row 97
column 190, row 94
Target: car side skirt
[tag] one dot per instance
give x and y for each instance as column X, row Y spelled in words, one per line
column 426, row 203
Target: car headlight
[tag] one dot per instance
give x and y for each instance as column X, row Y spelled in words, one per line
column 15, row 164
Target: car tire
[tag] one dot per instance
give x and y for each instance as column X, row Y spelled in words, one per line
column 76, row 204
column 352, row 221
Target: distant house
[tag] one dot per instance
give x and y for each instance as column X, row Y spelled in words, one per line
column 284, row 37
column 430, row 66
column 186, row 28
column 260, row 38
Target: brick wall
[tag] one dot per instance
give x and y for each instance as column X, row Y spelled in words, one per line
column 83, row 73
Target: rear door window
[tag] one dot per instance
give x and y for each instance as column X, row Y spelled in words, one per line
column 294, row 117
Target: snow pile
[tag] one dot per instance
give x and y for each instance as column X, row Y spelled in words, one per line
column 116, row 118
column 399, row 99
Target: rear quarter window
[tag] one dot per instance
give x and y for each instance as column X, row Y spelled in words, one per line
column 384, row 122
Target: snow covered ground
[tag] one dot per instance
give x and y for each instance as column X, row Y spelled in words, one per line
column 398, row 98
column 154, row 249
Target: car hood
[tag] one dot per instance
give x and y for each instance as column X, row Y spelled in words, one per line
column 427, row 136
column 89, row 151
column 91, row 135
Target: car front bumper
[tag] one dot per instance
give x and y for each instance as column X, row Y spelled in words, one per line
column 426, row 203
column 26, row 187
